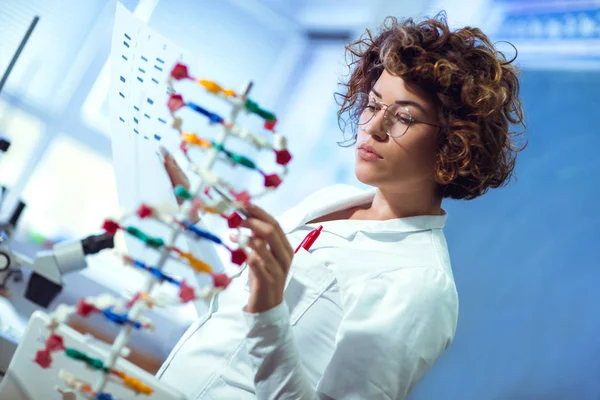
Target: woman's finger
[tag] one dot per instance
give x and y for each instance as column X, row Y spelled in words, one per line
column 271, row 264
column 258, row 212
column 259, row 268
column 276, row 241
column 261, row 214
column 176, row 174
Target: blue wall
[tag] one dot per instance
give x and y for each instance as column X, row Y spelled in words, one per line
column 525, row 260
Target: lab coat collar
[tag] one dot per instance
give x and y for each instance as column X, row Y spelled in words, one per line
column 340, row 197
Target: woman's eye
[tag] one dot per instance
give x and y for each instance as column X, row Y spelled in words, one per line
column 404, row 118
column 371, row 107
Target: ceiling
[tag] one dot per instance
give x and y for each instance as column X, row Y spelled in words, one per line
column 342, row 15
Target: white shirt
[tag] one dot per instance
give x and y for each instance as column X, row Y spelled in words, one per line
column 368, row 309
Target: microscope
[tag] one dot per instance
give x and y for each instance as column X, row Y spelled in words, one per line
column 49, row 266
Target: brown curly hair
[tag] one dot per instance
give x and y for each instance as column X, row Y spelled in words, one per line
column 475, row 87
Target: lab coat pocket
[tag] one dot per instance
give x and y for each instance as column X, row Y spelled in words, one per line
column 309, row 279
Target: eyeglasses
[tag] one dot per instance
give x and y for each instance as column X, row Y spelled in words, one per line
column 396, row 117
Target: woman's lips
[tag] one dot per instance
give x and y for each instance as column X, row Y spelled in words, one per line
column 367, row 155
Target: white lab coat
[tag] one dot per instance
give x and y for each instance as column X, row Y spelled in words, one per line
column 368, row 309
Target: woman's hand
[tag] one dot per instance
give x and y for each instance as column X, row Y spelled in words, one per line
column 177, row 177
column 269, row 261
column 176, row 174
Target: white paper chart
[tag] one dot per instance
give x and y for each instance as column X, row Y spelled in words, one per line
column 141, row 61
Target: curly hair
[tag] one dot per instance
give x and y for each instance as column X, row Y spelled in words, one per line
column 475, row 87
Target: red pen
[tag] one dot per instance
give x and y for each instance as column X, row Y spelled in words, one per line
column 309, row 239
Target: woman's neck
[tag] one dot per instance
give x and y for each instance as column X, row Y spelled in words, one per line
column 389, row 205
column 392, row 204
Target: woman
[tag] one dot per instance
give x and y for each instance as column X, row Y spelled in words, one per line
column 372, row 305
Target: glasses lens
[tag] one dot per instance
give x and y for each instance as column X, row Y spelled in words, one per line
column 366, row 115
column 368, row 112
column 397, row 120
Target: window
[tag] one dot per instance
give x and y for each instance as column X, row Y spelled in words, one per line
column 71, row 190
column 48, row 66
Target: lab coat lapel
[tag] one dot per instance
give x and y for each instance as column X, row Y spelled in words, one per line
column 325, row 201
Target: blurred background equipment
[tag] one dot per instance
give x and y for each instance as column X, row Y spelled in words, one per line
column 7, row 269
column 49, row 266
column 524, row 256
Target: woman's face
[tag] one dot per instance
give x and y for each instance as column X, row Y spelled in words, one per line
column 406, row 162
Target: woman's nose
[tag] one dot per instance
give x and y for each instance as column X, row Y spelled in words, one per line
column 375, row 127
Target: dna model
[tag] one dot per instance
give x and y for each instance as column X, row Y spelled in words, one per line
column 211, row 194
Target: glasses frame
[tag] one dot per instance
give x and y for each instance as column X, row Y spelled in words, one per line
column 385, row 107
